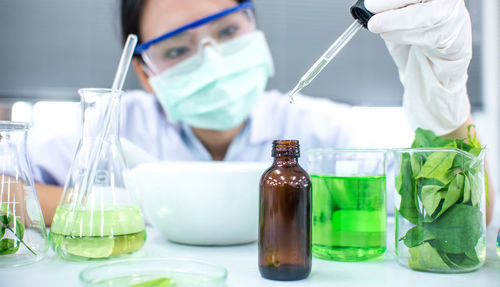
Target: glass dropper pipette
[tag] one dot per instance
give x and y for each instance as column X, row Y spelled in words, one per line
column 362, row 15
column 326, row 58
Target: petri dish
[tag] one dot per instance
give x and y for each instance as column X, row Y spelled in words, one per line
column 155, row 272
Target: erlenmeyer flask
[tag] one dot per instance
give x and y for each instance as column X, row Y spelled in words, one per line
column 23, row 238
column 99, row 219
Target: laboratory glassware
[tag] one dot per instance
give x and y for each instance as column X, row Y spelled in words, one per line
column 155, row 272
column 439, row 209
column 285, row 216
column 99, row 218
column 23, row 238
column 498, row 244
column 349, row 203
column 361, row 16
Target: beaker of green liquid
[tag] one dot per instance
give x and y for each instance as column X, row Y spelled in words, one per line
column 23, row 237
column 498, row 244
column 97, row 219
column 439, row 209
column 348, row 203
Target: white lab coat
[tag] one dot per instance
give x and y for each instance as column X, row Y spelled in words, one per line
column 316, row 123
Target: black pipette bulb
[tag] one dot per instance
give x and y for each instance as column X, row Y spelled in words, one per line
column 360, row 13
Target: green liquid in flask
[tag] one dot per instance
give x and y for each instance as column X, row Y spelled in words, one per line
column 81, row 234
column 348, row 217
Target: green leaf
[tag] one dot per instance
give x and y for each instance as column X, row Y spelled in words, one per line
column 431, row 198
column 2, row 231
column 472, row 255
column 461, row 144
column 4, row 219
column 475, row 189
column 6, row 216
column 461, row 261
column 431, row 181
column 417, row 160
column 8, row 246
column 159, row 282
column 475, row 151
column 19, row 230
column 457, row 230
column 467, row 189
column 461, row 162
column 454, row 193
column 417, row 236
column 427, row 138
column 407, row 189
column 473, row 139
column 424, row 257
column 437, row 165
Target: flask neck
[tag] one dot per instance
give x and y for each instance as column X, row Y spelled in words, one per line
column 13, row 153
column 95, row 108
column 286, row 152
column 13, row 139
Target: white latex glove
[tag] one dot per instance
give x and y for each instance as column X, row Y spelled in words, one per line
column 431, row 44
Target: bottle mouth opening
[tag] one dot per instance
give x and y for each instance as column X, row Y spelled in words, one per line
column 283, row 148
column 288, row 143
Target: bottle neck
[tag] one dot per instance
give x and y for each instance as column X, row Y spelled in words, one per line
column 286, row 152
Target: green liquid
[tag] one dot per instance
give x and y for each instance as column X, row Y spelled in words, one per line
column 498, row 244
column 348, row 217
column 85, row 234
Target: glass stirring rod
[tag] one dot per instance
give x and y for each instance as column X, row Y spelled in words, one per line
column 362, row 15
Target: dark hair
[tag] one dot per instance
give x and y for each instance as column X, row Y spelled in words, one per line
column 131, row 11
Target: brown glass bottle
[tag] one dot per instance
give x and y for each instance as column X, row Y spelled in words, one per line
column 285, row 216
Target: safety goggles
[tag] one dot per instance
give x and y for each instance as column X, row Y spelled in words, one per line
column 172, row 48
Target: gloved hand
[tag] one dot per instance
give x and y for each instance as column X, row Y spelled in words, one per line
column 431, row 43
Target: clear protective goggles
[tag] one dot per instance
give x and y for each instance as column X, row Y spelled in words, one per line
column 174, row 47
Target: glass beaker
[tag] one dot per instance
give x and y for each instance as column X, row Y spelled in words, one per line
column 439, row 209
column 23, row 237
column 99, row 219
column 498, row 244
column 349, row 203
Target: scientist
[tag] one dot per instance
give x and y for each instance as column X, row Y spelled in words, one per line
column 205, row 65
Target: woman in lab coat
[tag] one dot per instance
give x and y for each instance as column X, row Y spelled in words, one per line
column 204, row 66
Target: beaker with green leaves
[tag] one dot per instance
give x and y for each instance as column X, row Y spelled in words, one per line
column 440, row 204
column 23, row 238
column 97, row 217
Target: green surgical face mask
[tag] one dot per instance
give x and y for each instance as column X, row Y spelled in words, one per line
column 218, row 89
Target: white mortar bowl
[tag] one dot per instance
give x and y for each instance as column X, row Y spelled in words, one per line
column 200, row 203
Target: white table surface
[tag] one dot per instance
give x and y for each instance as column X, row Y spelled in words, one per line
column 241, row 262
